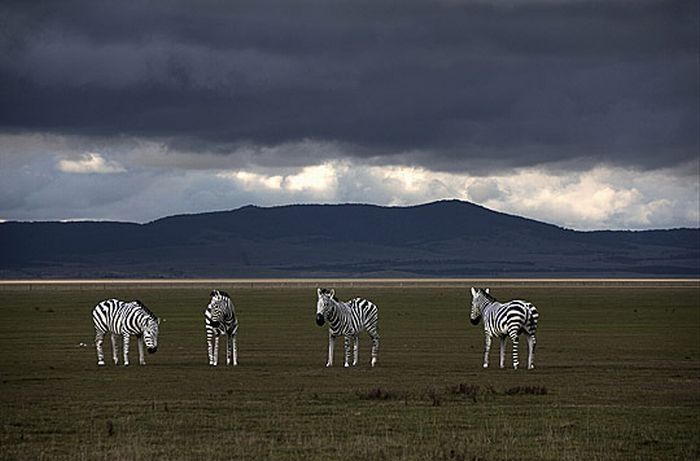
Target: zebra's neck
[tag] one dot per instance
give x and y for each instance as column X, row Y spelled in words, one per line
column 488, row 306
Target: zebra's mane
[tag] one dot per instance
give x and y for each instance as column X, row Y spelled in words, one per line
column 221, row 293
column 487, row 296
column 325, row 291
column 146, row 309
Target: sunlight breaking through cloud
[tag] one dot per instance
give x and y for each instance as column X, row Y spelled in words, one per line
column 603, row 197
column 90, row 162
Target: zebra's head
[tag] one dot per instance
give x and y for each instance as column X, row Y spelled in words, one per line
column 150, row 335
column 217, row 306
column 325, row 300
column 479, row 299
column 150, row 328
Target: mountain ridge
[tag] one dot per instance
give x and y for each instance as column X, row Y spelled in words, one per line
column 443, row 238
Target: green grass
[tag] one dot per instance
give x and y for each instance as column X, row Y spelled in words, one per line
column 618, row 377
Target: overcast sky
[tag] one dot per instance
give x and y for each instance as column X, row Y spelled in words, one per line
column 582, row 113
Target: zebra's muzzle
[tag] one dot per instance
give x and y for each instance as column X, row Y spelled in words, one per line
column 152, row 350
column 475, row 321
column 320, row 320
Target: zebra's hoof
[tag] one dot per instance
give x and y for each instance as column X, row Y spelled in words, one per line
column 328, row 365
column 373, row 362
column 346, row 365
column 486, row 365
column 531, row 367
column 100, row 364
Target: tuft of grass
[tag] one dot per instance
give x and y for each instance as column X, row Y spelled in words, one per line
column 433, row 396
column 376, row 393
column 526, row 390
column 470, row 391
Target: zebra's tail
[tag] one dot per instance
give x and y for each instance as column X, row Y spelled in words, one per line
column 532, row 319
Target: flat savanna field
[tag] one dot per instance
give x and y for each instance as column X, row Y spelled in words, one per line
column 617, row 377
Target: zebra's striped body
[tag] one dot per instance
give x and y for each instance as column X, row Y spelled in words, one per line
column 348, row 319
column 505, row 320
column 220, row 319
column 125, row 319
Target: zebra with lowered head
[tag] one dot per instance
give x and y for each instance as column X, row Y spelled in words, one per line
column 127, row 319
column 349, row 319
column 505, row 320
column 220, row 319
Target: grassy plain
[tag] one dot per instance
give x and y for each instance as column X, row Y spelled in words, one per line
column 618, row 377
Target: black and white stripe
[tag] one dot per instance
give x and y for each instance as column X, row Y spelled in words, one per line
column 126, row 319
column 348, row 319
column 220, row 319
column 505, row 320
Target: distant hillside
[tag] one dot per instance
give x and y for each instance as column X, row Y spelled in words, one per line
column 446, row 238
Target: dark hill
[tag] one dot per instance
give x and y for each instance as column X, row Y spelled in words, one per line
column 447, row 238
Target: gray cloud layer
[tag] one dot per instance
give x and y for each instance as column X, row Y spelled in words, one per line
column 448, row 85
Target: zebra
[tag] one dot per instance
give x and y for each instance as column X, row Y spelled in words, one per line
column 220, row 318
column 348, row 319
column 125, row 319
column 505, row 320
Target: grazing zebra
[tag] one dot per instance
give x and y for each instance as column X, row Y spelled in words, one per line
column 348, row 319
column 125, row 319
column 220, row 318
column 505, row 320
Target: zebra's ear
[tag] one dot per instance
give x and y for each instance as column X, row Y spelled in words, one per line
column 158, row 321
column 487, row 291
column 473, row 292
column 318, row 292
column 213, row 293
column 332, row 293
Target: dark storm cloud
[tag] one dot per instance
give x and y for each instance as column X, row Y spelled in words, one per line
column 448, row 85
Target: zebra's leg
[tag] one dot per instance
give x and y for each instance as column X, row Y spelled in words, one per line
column 210, row 348
column 126, row 349
column 503, row 351
column 514, row 340
column 331, row 347
column 115, row 348
column 531, row 344
column 234, row 346
column 356, row 350
column 216, row 351
column 375, row 347
column 230, row 346
column 348, row 346
column 487, row 349
column 99, row 339
column 139, row 341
